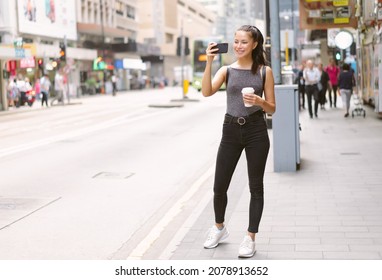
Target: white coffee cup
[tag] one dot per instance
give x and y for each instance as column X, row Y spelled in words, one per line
column 247, row 90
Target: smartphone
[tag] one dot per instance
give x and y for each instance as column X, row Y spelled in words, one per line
column 222, row 48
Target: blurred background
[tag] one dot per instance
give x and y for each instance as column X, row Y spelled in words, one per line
column 154, row 43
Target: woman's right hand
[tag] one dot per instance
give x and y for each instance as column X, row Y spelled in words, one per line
column 211, row 51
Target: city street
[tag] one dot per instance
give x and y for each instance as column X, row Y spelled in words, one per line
column 90, row 180
column 130, row 177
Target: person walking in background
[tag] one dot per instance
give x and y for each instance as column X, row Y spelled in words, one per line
column 114, row 83
column 301, row 87
column 37, row 88
column 13, row 93
column 324, row 83
column 345, row 82
column 59, row 87
column 45, row 87
column 244, row 128
column 312, row 77
column 333, row 71
column 22, row 88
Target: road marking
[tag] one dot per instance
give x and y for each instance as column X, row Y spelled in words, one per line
column 157, row 229
column 185, row 228
column 81, row 132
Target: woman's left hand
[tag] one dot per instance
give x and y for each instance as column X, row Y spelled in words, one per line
column 253, row 99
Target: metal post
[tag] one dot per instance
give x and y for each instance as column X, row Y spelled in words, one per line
column 68, row 70
column 103, row 43
column 294, row 36
column 275, row 40
column 182, row 56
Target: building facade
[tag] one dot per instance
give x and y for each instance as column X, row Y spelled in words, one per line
column 161, row 22
column 137, row 40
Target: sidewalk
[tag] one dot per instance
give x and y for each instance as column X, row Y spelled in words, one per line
column 330, row 209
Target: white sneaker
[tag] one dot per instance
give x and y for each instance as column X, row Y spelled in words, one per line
column 215, row 236
column 247, row 247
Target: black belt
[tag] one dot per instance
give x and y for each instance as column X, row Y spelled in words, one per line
column 243, row 120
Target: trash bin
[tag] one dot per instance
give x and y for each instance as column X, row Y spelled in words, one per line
column 286, row 129
column 287, row 78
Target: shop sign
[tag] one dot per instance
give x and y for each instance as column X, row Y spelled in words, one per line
column 27, row 62
column 131, row 63
column 11, row 65
column 327, row 14
column 341, row 3
column 19, row 53
column 118, row 64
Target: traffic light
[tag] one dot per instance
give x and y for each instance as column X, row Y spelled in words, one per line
column 179, row 46
column 186, row 47
column 40, row 64
column 338, row 55
column 62, row 52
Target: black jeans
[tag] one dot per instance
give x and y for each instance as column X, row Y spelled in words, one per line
column 44, row 98
column 253, row 137
column 312, row 92
column 334, row 100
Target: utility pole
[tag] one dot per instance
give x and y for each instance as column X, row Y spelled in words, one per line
column 275, row 40
column 103, row 43
column 68, row 70
column 294, row 49
column 182, row 45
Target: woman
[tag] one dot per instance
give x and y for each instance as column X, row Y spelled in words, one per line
column 244, row 128
column 345, row 85
column 333, row 72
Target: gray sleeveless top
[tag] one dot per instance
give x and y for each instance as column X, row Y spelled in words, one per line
column 238, row 79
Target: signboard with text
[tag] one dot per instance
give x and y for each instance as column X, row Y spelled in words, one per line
column 28, row 62
column 325, row 14
column 51, row 18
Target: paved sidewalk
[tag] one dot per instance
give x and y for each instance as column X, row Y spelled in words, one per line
column 330, row 209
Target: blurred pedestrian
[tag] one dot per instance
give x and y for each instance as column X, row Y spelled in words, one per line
column 345, row 85
column 333, row 71
column 312, row 77
column 45, row 88
column 13, row 93
column 37, row 88
column 114, row 82
column 323, row 86
column 301, row 86
column 244, row 128
column 59, row 87
column 22, row 88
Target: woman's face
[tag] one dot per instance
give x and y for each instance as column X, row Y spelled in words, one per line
column 243, row 44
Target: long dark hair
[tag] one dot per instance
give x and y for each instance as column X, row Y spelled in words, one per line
column 258, row 54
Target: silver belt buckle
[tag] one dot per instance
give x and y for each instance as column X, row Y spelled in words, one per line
column 241, row 121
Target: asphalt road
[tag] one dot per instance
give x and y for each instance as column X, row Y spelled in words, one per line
column 88, row 181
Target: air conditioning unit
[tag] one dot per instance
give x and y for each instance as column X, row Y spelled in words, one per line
column 369, row 11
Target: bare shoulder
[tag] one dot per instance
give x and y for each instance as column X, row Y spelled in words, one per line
column 268, row 69
column 223, row 71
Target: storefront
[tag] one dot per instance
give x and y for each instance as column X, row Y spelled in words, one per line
column 131, row 73
column 10, row 57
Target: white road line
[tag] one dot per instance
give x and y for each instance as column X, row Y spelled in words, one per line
column 157, row 229
column 81, row 132
column 185, row 228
